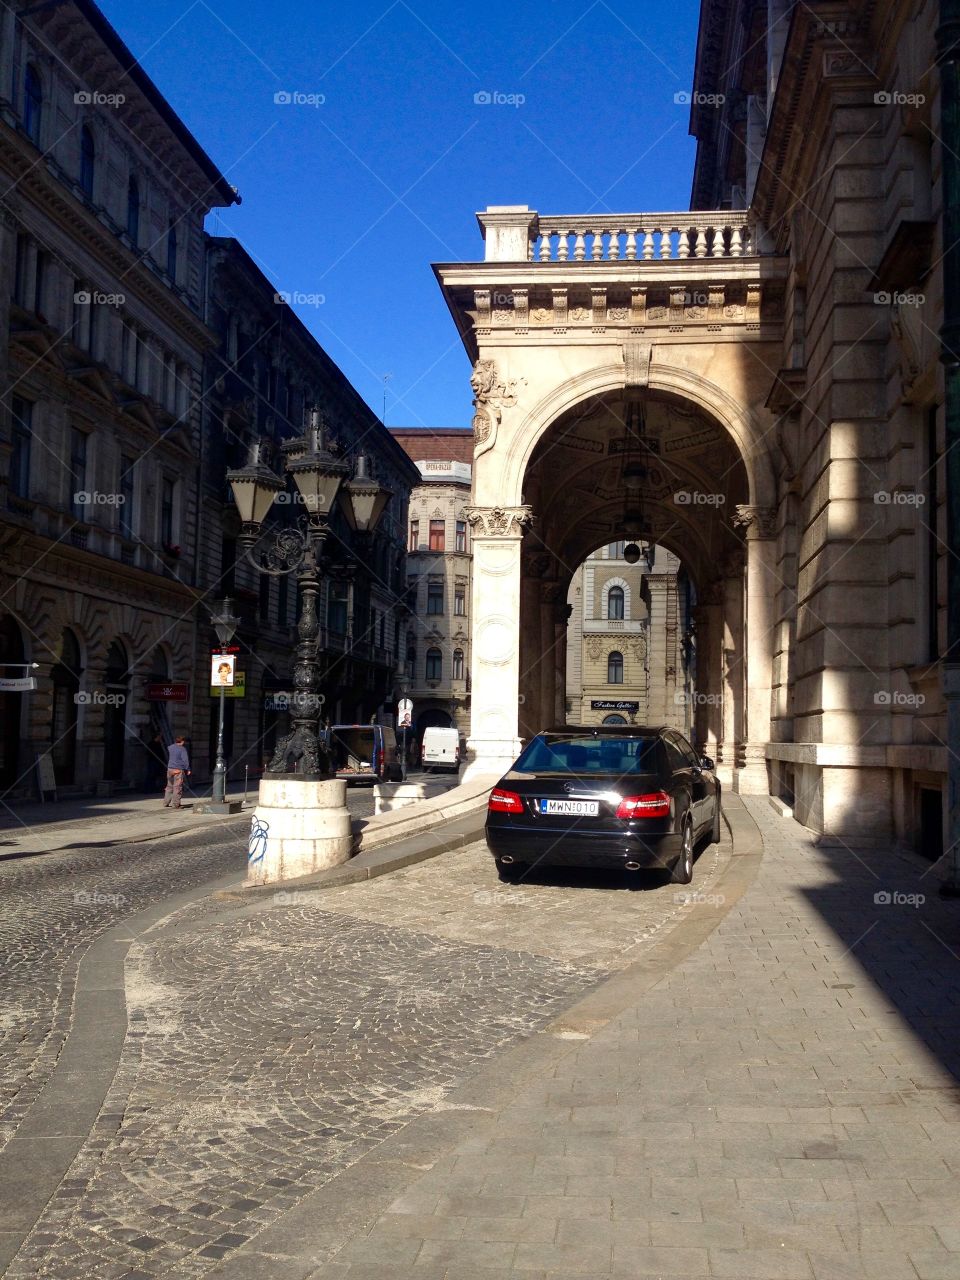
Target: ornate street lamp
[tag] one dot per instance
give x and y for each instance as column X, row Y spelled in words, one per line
column 225, row 623
column 321, row 478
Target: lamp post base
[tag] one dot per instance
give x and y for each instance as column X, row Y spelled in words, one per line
column 217, row 806
column 300, row 825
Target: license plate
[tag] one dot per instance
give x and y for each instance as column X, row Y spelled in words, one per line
column 570, row 808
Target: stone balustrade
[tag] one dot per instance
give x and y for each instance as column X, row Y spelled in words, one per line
column 644, row 237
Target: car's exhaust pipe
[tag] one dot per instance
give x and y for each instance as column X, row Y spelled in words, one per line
column 632, row 866
column 506, row 859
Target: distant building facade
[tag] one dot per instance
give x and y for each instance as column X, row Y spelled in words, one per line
column 630, row 651
column 263, row 375
column 102, row 344
column 439, row 578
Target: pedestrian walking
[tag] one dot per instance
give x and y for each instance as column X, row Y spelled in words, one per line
column 178, row 769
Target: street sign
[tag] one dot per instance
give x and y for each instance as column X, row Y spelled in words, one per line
column 404, row 713
column 19, row 685
column 237, row 690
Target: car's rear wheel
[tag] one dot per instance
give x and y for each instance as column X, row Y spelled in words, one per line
column 715, row 837
column 682, row 872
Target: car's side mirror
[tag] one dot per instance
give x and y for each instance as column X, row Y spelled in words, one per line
column 706, row 763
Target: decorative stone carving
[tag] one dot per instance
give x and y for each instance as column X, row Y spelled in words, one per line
column 618, row 313
column 541, row 315
column 535, row 564
column 657, row 313
column 579, row 314
column 500, row 522
column 638, row 308
column 559, row 311
column 490, row 397
column 905, row 324
column 759, row 522
column 636, row 363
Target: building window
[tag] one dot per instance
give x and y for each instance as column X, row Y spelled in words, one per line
column 172, row 252
column 126, row 495
column 615, row 550
column 615, row 603
column 615, row 668
column 437, row 535
column 435, row 597
column 460, row 602
column 78, row 473
column 32, row 104
column 434, row 664
column 414, row 542
column 461, row 535
column 458, row 664
column 337, row 610
column 168, row 495
column 20, row 450
column 133, row 211
column 411, row 662
column 88, row 161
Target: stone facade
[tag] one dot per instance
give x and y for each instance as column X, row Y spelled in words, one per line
column 630, row 641
column 101, row 262
column 439, row 578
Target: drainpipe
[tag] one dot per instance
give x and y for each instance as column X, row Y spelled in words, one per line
column 948, row 54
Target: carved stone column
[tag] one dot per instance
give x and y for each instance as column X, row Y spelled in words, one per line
column 550, row 598
column 534, row 566
column 562, row 612
column 709, row 708
column 731, row 666
column 759, row 596
column 494, row 738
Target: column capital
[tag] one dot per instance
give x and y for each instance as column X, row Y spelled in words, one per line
column 500, row 522
column 759, row 522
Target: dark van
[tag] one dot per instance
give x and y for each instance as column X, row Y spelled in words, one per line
column 364, row 753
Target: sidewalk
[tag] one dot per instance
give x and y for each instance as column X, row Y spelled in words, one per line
column 770, row 1093
column 98, row 821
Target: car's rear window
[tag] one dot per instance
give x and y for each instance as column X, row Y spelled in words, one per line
column 589, row 755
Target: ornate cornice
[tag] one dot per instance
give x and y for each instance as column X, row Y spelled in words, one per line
column 759, row 522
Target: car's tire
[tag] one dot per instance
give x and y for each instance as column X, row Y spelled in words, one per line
column 715, row 835
column 682, row 871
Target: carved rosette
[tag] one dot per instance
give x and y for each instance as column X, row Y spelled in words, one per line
column 759, row 522
column 500, row 522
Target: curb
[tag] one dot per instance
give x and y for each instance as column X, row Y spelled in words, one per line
column 328, row 1218
column 380, row 862
column 80, row 843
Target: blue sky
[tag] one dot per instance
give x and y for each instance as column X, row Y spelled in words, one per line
column 354, row 198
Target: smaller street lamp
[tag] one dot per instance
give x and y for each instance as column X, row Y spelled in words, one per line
column 225, row 623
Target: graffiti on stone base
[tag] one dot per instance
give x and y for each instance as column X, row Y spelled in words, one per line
column 257, row 848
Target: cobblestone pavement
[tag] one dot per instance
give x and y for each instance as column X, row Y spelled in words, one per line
column 271, row 1045
column 54, row 905
column 782, row 1103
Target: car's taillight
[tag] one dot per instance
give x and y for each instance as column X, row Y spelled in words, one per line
column 655, row 804
column 504, row 802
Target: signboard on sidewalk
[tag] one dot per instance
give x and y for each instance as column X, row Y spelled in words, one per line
column 404, row 713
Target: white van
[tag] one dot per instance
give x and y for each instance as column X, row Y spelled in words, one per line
column 440, row 749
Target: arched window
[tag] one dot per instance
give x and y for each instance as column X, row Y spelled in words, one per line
column 458, row 664
column 88, row 161
column 615, row 603
column 434, row 664
column 172, row 251
column 614, row 719
column 615, row 668
column 32, row 104
column 133, row 210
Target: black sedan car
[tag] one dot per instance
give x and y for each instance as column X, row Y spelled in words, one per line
column 624, row 797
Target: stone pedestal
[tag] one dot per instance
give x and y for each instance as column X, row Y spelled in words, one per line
column 388, row 796
column 299, row 826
